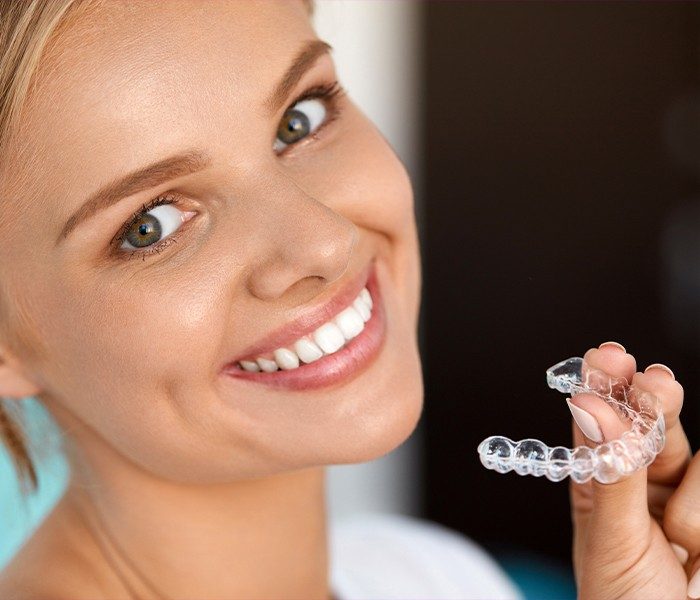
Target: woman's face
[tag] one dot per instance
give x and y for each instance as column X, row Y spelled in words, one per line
column 129, row 351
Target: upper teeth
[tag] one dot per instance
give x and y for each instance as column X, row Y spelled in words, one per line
column 326, row 339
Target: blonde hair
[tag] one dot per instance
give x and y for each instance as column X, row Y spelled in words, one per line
column 27, row 30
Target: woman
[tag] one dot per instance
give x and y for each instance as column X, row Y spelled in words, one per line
column 265, row 326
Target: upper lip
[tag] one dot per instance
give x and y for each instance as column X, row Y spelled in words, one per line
column 309, row 320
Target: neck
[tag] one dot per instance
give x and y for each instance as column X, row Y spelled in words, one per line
column 262, row 538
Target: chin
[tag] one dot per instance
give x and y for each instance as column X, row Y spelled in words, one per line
column 372, row 435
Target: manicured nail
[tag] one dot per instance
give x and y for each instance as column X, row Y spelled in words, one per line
column 586, row 422
column 694, row 585
column 680, row 552
column 613, row 345
column 662, row 367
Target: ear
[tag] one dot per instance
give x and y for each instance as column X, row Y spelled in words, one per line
column 13, row 381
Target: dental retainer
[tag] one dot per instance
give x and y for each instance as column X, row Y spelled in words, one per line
column 607, row 462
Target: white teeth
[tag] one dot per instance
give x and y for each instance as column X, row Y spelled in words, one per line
column 307, row 350
column 350, row 322
column 267, row 365
column 362, row 308
column 286, row 359
column 249, row 365
column 329, row 337
column 364, row 294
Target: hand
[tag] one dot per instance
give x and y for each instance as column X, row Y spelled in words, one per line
column 638, row 538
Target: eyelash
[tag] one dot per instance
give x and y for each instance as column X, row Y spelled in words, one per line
column 118, row 239
column 330, row 93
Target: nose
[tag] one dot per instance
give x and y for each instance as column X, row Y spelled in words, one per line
column 311, row 243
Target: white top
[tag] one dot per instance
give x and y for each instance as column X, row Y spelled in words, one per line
column 396, row 557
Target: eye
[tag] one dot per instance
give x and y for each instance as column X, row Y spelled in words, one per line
column 298, row 121
column 152, row 226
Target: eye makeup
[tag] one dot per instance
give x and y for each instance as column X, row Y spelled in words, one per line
column 158, row 247
column 330, row 93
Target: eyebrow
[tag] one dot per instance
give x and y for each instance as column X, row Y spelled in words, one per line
column 145, row 178
column 190, row 161
column 304, row 60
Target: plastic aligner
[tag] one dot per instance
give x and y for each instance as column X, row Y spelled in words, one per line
column 607, row 462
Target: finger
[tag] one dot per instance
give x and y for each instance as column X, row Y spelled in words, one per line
column 612, row 359
column 616, row 514
column 603, row 424
column 595, row 417
column 669, row 466
column 608, row 519
column 681, row 522
column 581, row 496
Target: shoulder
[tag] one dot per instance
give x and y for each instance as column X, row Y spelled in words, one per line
column 396, row 556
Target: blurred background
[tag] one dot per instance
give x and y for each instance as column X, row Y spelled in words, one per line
column 555, row 154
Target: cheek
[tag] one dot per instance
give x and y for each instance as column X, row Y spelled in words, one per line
column 360, row 176
column 384, row 190
column 378, row 195
column 120, row 349
column 129, row 327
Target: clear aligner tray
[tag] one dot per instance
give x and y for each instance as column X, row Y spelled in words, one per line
column 607, row 462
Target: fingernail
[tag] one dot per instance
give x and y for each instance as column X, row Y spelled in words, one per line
column 586, row 422
column 680, row 552
column 613, row 345
column 662, row 367
column 694, row 585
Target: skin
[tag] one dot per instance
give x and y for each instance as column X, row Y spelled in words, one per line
column 212, row 487
column 209, row 487
column 623, row 532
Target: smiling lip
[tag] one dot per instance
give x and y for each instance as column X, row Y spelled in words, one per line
column 339, row 366
column 309, row 321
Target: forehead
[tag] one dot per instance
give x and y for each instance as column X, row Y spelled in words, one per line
column 134, row 80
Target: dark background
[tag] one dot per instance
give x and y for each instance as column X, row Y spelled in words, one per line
column 560, row 186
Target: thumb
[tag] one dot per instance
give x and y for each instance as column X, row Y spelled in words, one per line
column 611, row 519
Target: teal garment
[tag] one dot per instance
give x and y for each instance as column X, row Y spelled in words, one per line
column 539, row 577
column 20, row 514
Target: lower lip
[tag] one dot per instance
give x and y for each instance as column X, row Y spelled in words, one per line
column 337, row 368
